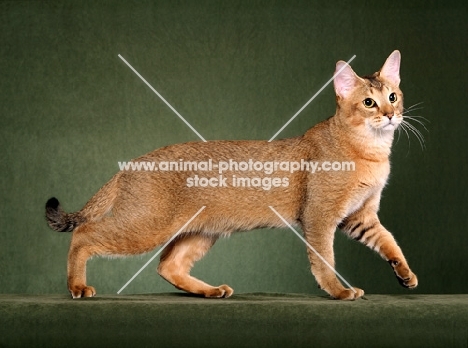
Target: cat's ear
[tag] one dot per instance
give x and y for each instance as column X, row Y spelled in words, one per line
column 345, row 79
column 391, row 69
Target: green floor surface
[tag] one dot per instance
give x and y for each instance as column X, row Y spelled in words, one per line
column 245, row 320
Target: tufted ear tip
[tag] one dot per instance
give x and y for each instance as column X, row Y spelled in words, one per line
column 345, row 79
column 391, row 68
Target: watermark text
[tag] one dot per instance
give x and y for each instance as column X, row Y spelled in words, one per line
column 267, row 167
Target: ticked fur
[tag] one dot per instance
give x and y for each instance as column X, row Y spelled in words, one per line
column 138, row 210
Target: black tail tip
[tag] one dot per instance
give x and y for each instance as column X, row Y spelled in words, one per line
column 52, row 204
column 56, row 218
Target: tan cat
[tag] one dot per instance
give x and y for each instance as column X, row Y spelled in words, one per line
column 137, row 210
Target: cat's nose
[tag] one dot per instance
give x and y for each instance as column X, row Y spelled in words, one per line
column 389, row 115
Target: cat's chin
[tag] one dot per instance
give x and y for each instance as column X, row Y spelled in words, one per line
column 389, row 127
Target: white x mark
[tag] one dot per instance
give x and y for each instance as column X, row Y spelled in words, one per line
column 203, row 139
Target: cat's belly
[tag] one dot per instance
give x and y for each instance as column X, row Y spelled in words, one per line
column 237, row 210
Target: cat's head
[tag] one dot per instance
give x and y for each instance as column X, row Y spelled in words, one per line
column 371, row 104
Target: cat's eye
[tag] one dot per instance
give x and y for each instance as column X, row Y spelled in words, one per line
column 369, row 103
column 392, row 97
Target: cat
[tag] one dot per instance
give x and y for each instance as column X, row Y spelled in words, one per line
column 138, row 210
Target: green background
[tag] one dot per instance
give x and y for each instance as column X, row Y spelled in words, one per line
column 71, row 109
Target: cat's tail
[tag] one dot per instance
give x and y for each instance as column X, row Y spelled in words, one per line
column 98, row 206
column 60, row 221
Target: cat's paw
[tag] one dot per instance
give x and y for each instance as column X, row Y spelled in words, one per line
column 404, row 275
column 350, row 294
column 410, row 282
column 219, row 292
column 82, row 291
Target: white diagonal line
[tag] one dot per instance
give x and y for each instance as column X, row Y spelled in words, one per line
column 311, row 248
column 311, row 99
column 162, row 248
column 162, row 98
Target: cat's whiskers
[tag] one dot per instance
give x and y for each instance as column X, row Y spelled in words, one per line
column 413, row 107
column 401, row 128
column 411, row 128
column 399, row 133
column 407, row 127
column 415, row 119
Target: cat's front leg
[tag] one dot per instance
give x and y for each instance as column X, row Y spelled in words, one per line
column 365, row 227
column 320, row 236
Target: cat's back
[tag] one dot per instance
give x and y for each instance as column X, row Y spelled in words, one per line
column 225, row 150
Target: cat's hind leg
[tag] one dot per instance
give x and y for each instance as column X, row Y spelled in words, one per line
column 80, row 251
column 178, row 258
column 98, row 238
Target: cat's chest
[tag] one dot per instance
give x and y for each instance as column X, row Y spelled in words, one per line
column 358, row 197
column 369, row 174
column 369, row 181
